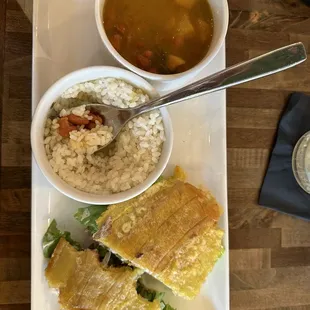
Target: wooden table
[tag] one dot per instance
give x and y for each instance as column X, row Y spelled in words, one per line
column 269, row 252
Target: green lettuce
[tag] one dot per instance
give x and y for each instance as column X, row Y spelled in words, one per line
column 152, row 295
column 88, row 216
column 52, row 237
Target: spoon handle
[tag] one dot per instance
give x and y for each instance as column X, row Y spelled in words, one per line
column 267, row 64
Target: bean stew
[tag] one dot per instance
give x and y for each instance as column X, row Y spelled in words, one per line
column 160, row 36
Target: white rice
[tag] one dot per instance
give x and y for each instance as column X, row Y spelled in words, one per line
column 136, row 152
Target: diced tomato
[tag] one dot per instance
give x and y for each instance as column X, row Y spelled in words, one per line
column 65, row 127
column 143, row 62
column 77, row 120
column 148, row 54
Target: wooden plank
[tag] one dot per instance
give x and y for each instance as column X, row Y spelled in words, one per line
column 249, row 259
column 305, row 39
column 9, row 222
column 245, row 197
column 288, row 7
column 18, row 200
column 14, row 5
column 16, row 21
column 255, row 40
column 269, row 22
column 17, row 45
column 250, row 138
column 13, row 269
column 15, row 177
column 257, row 98
column 237, row 56
column 270, row 298
column 2, row 43
column 18, row 154
column 254, row 238
column 16, row 132
column 289, row 308
column 245, row 177
column 26, row 6
column 15, row 292
column 289, row 257
column 15, row 246
column 253, row 118
column 287, row 221
column 19, row 87
column 255, row 217
column 16, row 307
column 296, row 237
column 19, row 67
column 247, row 158
column 16, row 110
column 270, row 278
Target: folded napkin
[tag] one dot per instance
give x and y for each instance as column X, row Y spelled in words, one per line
column 280, row 190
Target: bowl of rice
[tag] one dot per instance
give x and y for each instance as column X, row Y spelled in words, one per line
column 65, row 137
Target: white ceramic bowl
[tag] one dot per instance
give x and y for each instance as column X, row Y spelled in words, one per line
column 221, row 18
column 38, row 124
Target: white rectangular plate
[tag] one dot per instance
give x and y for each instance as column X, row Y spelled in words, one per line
column 66, row 39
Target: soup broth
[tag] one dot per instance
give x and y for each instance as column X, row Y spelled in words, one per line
column 160, row 36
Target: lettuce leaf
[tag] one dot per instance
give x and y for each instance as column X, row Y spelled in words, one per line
column 152, row 295
column 88, row 216
column 52, row 237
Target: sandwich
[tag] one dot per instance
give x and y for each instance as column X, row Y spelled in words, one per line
column 84, row 283
column 94, row 279
column 170, row 232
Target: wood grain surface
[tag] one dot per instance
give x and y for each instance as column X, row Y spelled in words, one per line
column 269, row 251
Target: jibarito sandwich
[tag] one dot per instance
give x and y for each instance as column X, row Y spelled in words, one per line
column 84, row 283
column 170, row 232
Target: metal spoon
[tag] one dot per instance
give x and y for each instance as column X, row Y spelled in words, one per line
column 264, row 65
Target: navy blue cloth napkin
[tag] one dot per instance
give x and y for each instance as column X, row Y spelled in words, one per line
column 280, row 190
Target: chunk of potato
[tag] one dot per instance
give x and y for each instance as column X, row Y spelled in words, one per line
column 174, row 61
column 185, row 27
column 187, row 4
column 204, row 30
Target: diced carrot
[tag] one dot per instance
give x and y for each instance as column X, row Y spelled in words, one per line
column 77, row 120
column 65, row 127
column 148, row 54
column 116, row 41
column 143, row 62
